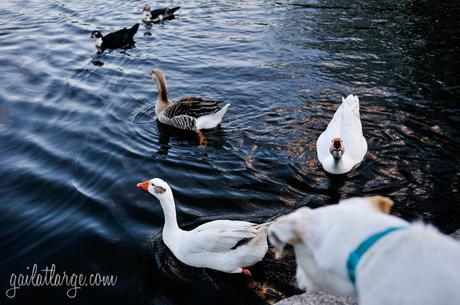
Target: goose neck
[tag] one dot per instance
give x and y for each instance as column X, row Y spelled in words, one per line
column 162, row 101
column 169, row 211
column 336, row 155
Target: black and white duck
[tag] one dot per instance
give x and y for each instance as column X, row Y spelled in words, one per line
column 159, row 14
column 188, row 113
column 123, row 38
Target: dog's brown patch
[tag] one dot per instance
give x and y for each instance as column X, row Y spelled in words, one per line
column 299, row 231
column 294, row 241
column 381, row 204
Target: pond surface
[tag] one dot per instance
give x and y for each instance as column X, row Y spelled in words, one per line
column 77, row 129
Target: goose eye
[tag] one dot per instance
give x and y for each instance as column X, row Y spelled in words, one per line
column 159, row 189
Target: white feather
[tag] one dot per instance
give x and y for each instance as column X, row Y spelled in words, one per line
column 99, row 42
column 214, row 244
column 211, row 120
column 346, row 125
column 147, row 17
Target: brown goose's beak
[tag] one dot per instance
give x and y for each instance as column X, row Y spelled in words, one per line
column 143, row 185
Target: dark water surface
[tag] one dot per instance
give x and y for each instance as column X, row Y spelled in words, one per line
column 76, row 136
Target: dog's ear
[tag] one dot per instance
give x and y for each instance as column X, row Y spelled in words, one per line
column 287, row 229
column 380, row 203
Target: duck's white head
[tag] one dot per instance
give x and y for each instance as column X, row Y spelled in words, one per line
column 157, row 187
column 337, row 149
column 98, row 36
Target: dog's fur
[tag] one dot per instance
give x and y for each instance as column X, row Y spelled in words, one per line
column 414, row 266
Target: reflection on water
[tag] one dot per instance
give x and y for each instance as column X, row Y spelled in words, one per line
column 215, row 138
column 78, row 131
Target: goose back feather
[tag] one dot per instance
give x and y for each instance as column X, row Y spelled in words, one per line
column 191, row 106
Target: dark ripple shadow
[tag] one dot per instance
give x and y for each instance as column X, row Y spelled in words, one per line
column 215, row 138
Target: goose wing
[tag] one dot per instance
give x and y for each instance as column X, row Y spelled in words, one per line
column 191, row 106
column 223, row 225
column 346, row 124
column 219, row 239
column 350, row 128
column 183, row 122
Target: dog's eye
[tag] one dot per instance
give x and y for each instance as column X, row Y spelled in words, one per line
column 275, row 238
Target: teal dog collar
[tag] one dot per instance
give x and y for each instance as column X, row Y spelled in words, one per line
column 357, row 254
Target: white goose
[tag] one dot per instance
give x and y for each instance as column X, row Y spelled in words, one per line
column 224, row 245
column 342, row 145
column 188, row 113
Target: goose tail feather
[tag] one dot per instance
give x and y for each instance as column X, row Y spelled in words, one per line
column 211, row 120
column 261, row 234
column 352, row 102
column 220, row 114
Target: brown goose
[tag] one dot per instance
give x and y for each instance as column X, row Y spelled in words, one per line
column 188, row 113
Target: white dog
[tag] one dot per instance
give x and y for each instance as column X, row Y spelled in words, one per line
column 356, row 249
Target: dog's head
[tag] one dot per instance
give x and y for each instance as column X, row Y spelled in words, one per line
column 323, row 237
column 292, row 228
column 288, row 229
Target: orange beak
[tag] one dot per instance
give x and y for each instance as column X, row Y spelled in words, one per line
column 143, row 185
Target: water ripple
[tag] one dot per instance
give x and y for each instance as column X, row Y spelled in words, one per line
column 78, row 129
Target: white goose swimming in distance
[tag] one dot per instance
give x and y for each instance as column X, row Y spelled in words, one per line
column 342, row 145
column 188, row 113
column 224, row 245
